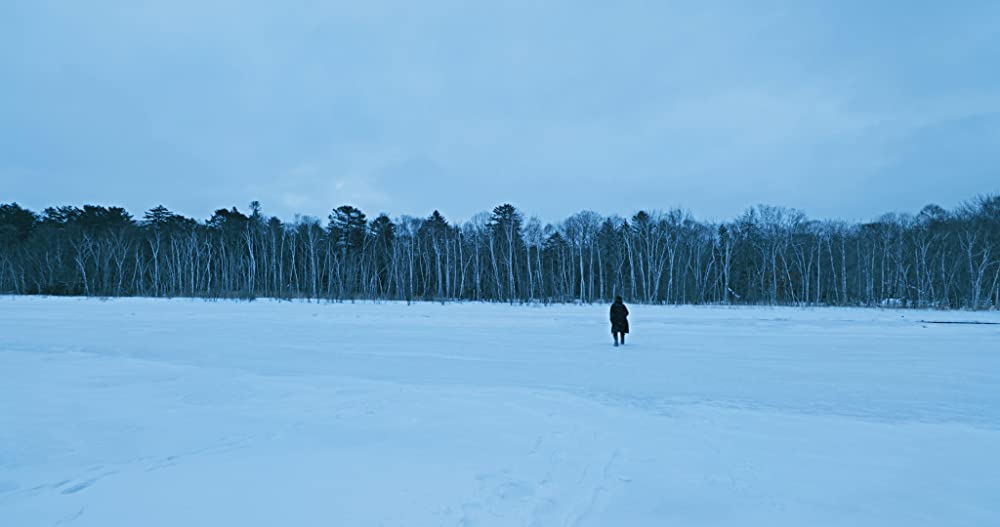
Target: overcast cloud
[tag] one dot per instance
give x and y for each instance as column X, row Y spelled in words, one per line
column 841, row 108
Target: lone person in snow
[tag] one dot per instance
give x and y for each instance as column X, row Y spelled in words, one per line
column 619, row 320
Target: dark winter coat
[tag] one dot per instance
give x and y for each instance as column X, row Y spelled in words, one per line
column 619, row 318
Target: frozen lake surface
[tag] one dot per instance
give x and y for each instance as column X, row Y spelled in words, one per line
column 184, row 412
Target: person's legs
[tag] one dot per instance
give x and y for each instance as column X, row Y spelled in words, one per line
column 615, row 334
column 623, row 338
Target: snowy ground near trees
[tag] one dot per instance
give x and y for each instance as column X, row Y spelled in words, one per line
column 183, row 412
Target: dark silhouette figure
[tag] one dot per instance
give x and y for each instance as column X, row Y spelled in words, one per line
column 619, row 320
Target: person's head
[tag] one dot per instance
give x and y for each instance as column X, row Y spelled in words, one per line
column 618, row 299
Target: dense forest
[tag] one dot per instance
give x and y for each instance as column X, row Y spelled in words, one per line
column 768, row 255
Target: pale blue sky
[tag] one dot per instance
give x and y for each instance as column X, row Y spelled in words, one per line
column 840, row 108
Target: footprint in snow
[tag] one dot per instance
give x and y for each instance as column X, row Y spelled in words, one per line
column 77, row 487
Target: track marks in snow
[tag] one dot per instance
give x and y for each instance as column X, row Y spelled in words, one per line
column 77, row 487
column 546, row 487
column 600, row 491
column 89, row 478
column 71, row 517
column 225, row 445
column 500, row 498
column 92, row 476
column 516, row 494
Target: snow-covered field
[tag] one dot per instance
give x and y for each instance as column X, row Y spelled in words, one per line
column 139, row 412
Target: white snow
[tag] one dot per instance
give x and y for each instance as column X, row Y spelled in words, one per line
column 148, row 412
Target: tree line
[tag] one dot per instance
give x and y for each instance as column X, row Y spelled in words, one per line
column 768, row 255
